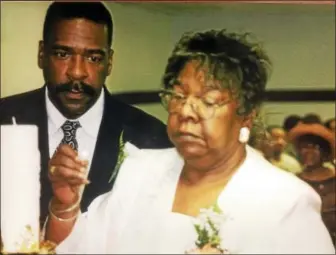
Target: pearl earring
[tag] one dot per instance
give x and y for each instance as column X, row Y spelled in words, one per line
column 244, row 135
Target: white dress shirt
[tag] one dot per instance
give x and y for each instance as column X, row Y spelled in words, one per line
column 86, row 135
column 269, row 211
column 288, row 163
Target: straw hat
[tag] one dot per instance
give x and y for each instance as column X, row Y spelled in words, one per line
column 312, row 129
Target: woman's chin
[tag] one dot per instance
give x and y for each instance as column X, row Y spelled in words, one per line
column 191, row 151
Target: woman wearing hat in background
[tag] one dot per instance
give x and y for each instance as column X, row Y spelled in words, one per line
column 315, row 145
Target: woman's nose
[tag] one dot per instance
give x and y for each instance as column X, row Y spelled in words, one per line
column 188, row 110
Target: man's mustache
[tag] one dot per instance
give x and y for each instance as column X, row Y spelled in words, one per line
column 79, row 87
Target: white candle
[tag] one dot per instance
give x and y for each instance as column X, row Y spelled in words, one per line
column 20, row 188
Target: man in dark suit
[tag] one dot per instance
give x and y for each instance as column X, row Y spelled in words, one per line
column 73, row 110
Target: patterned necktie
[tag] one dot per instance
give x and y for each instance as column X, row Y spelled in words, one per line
column 69, row 129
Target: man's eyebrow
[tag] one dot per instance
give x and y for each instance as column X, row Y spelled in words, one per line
column 70, row 49
column 95, row 51
column 60, row 47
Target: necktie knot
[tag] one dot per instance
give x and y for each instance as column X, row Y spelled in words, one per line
column 71, row 126
column 69, row 129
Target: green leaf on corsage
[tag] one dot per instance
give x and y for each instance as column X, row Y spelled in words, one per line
column 121, row 157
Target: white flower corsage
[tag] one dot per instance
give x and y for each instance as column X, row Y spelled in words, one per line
column 207, row 226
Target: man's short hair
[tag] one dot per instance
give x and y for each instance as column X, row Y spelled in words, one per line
column 311, row 118
column 291, row 121
column 328, row 122
column 93, row 11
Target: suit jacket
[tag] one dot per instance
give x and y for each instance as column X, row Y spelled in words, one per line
column 139, row 128
column 265, row 211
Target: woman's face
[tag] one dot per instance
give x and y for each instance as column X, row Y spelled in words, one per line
column 310, row 154
column 333, row 126
column 203, row 133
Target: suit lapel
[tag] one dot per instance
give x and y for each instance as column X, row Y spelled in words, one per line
column 105, row 154
column 36, row 114
column 42, row 122
column 46, row 193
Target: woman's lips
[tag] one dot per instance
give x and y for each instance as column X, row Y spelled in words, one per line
column 188, row 137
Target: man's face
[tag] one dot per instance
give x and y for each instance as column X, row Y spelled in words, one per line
column 278, row 140
column 76, row 59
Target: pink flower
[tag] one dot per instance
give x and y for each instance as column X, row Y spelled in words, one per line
column 207, row 249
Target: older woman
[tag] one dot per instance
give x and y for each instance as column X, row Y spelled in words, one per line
column 315, row 145
column 214, row 84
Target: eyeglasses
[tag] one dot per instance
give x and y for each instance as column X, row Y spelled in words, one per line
column 204, row 106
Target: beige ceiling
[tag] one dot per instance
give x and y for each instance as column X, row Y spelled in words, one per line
column 198, row 7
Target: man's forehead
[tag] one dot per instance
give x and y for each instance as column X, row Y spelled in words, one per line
column 277, row 131
column 80, row 32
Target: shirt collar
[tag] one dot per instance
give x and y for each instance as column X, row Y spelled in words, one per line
column 90, row 121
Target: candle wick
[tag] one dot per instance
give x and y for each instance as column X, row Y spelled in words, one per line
column 13, row 120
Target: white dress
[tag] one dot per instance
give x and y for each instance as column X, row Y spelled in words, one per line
column 268, row 211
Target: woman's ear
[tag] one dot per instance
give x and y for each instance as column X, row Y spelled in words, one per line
column 249, row 119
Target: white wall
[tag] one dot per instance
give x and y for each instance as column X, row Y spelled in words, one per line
column 299, row 38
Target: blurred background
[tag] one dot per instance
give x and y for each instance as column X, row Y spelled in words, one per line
column 300, row 39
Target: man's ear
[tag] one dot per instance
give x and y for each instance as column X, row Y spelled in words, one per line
column 40, row 54
column 110, row 62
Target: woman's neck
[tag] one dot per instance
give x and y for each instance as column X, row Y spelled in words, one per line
column 319, row 173
column 313, row 168
column 220, row 171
